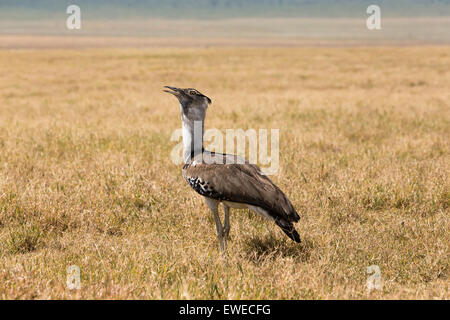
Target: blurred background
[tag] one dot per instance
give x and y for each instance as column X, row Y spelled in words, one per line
column 145, row 23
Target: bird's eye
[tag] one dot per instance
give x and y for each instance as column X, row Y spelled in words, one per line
column 192, row 92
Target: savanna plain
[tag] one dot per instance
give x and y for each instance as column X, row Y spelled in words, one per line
column 86, row 177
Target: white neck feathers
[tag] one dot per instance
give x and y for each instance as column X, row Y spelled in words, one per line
column 192, row 138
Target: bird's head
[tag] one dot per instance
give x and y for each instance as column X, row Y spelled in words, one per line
column 193, row 103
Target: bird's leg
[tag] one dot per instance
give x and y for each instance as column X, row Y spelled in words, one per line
column 219, row 230
column 226, row 224
column 214, row 206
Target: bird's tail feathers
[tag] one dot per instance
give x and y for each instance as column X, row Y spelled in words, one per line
column 289, row 229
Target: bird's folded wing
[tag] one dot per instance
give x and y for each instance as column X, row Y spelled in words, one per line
column 241, row 183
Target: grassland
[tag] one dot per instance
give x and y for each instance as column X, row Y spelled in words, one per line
column 84, row 176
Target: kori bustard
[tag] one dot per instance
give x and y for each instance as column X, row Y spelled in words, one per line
column 224, row 178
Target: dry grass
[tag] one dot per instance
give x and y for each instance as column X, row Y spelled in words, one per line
column 84, row 138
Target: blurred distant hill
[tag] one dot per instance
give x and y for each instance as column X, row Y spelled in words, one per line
column 24, row 9
column 273, row 22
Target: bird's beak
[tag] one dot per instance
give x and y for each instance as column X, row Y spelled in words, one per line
column 173, row 90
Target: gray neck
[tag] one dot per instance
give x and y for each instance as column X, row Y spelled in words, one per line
column 192, row 138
